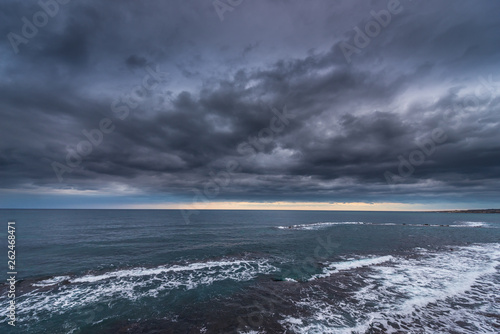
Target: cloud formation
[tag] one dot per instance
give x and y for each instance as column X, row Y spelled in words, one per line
column 434, row 66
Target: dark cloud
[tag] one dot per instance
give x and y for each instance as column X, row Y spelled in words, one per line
column 136, row 62
column 432, row 68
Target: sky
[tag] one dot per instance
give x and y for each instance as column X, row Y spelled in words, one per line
column 238, row 104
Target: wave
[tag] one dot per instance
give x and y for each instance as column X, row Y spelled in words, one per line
column 470, row 224
column 51, row 281
column 131, row 284
column 321, row 225
column 353, row 264
column 440, row 292
column 229, row 267
column 316, row 226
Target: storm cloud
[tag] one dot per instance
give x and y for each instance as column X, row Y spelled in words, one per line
column 165, row 96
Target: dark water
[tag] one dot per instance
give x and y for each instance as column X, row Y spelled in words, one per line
column 134, row 271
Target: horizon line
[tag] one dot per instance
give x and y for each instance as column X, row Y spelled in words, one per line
column 263, row 209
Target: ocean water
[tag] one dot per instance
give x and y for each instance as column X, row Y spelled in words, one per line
column 147, row 271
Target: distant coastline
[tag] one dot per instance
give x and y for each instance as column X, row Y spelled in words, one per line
column 471, row 211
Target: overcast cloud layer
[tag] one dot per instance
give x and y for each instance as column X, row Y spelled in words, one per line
column 211, row 89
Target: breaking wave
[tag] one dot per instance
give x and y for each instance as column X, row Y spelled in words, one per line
column 322, row 225
column 61, row 294
column 441, row 292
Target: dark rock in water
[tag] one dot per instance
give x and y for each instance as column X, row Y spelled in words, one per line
column 426, row 224
column 376, row 328
column 279, row 279
column 393, row 325
column 491, row 315
column 464, row 324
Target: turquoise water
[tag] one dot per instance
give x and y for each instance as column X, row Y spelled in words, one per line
column 148, row 271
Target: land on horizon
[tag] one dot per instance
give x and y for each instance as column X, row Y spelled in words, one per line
column 470, row 211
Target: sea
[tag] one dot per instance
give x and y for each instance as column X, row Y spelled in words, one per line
column 152, row 271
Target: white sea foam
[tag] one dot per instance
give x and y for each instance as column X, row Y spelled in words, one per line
column 458, row 224
column 132, row 284
column 51, row 281
column 290, row 280
column 469, row 224
column 352, row 264
column 317, row 226
column 322, row 225
column 439, row 292
column 230, row 267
